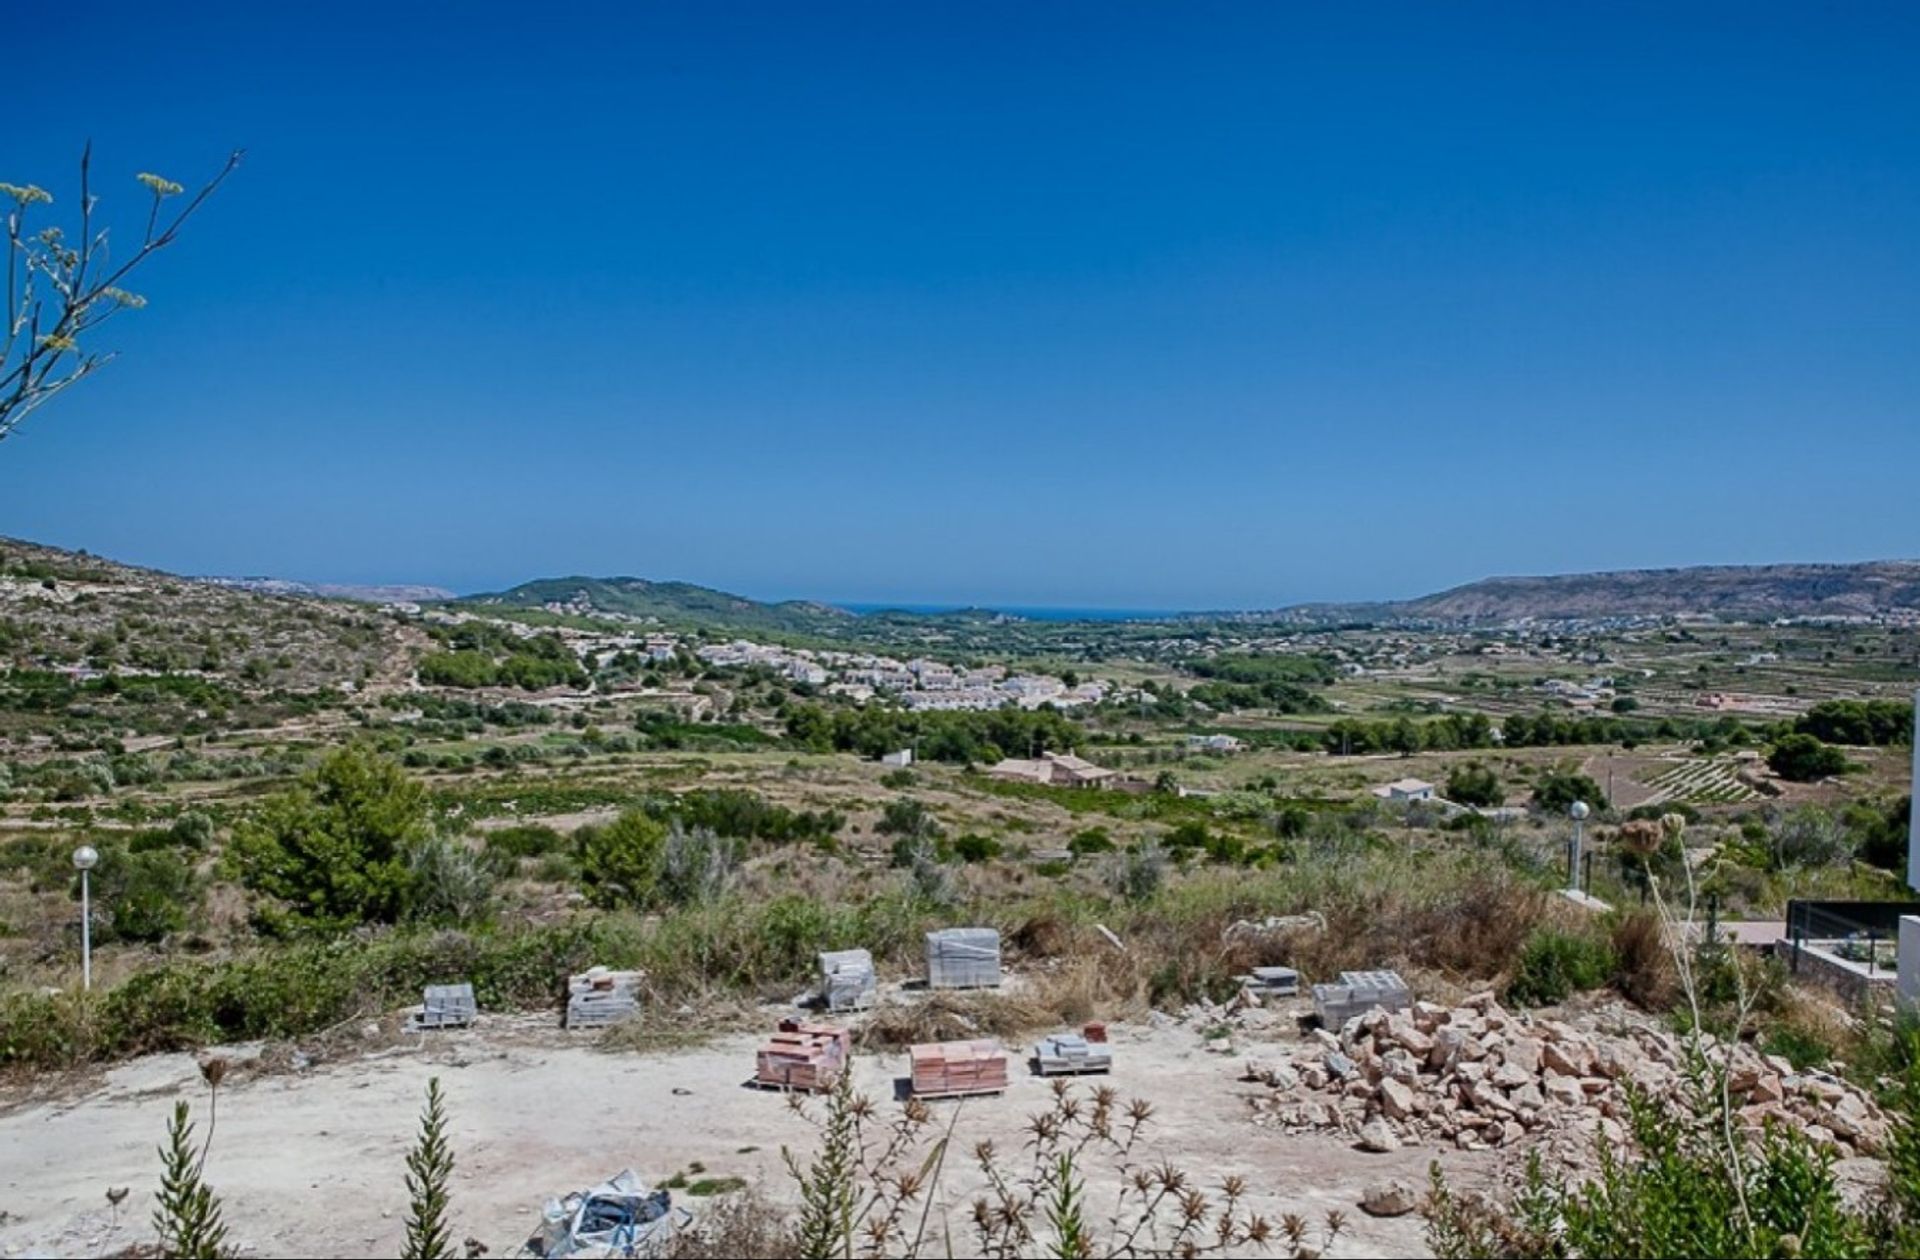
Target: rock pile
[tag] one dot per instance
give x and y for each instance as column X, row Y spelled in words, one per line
column 1478, row 1076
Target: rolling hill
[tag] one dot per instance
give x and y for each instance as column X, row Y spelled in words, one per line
column 670, row 602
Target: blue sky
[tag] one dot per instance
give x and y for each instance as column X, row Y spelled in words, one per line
column 1105, row 304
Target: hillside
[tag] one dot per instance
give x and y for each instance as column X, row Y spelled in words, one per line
column 1753, row 592
column 668, row 602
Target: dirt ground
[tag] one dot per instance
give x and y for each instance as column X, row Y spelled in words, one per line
column 310, row 1162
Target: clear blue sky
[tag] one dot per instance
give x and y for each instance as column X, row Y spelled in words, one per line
column 1054, row 304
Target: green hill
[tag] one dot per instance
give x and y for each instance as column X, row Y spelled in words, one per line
column 672, row 603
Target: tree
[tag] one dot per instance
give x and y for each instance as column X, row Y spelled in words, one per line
column 59, row 292
column 1558, row 789
column 1475, row 784
column 429, row 1174
column 188, row 1217
column 1804, row 758
column 334, row 851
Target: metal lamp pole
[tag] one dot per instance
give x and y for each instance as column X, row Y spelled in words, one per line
column 1579, row 812
column 84, row 859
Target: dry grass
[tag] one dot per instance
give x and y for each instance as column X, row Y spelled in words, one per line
column 1647, row 975
column 951, row 1017
column 656, row 1029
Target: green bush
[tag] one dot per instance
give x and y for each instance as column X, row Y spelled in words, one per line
column 143, row 896
column 1475, row 784
column 620, row 863
column 1555, row 964
column 976, row 848
column 1803, row 758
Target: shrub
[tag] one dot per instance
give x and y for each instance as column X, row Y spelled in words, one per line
column 1091, row 840
column 620, row 863
column 696, row 866
column 1140, row 872
column 1555, row 964
column 1803, row 758
column 976, row 848
column 449, row 882
column 1475, row 784
column 510, row 844
column 143, row 896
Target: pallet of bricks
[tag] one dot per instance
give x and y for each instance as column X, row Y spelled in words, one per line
column 1067, row 1054
column 803, row 1056
column 847, row 981
column 956, row 1069
column 447, row 1006
column 598, row 997
column 1357, row 993
column 963, row 958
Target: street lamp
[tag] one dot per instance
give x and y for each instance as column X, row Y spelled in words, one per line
column 84, row 859
column 1579, row 811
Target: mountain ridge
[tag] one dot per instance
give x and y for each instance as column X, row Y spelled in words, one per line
column 1749, row 592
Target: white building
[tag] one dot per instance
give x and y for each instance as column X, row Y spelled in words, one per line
column 1405, row 790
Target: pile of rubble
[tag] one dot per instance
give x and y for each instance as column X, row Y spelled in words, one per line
column 1478, row 1076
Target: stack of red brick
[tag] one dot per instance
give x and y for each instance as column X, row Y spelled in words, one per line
column 945, row 1068
column 803, row 1056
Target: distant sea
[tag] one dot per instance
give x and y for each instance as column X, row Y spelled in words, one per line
column 1029, row 612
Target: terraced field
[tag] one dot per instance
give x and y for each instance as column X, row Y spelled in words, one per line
column 1701, row 781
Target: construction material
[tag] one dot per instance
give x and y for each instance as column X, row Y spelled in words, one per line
column 1094, row 1030
column 446, row 1006
column 808, row 1057
column 1272, row 981
column 847, row 980
column 1066, row 1054
column 963, row 958
column 958, row 1069
column 1357, row 993
column 618, row 1217
column 599, row 997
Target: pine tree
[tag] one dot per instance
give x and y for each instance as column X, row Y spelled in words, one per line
column 188, row 1217
column 429, row 1170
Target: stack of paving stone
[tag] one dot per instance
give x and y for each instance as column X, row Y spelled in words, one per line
column 598, row 997
column 952, row 1069
column 963, row 958
column 803, row 1056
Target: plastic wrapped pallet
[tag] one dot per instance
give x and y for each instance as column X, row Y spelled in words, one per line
column 847, row 980
column 1357, row 993
column 447, row 1006
column 1069, row 1053
column 963, row 958
column 598, row 997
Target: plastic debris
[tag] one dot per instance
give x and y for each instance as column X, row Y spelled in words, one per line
column 618, row 1217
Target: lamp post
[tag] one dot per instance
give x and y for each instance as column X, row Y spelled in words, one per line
column 84, row 859
column 1579, row 812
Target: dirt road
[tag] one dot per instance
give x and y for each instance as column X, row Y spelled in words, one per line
column 310, row 1162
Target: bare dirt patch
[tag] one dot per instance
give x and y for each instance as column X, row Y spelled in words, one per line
column 310, row 1162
